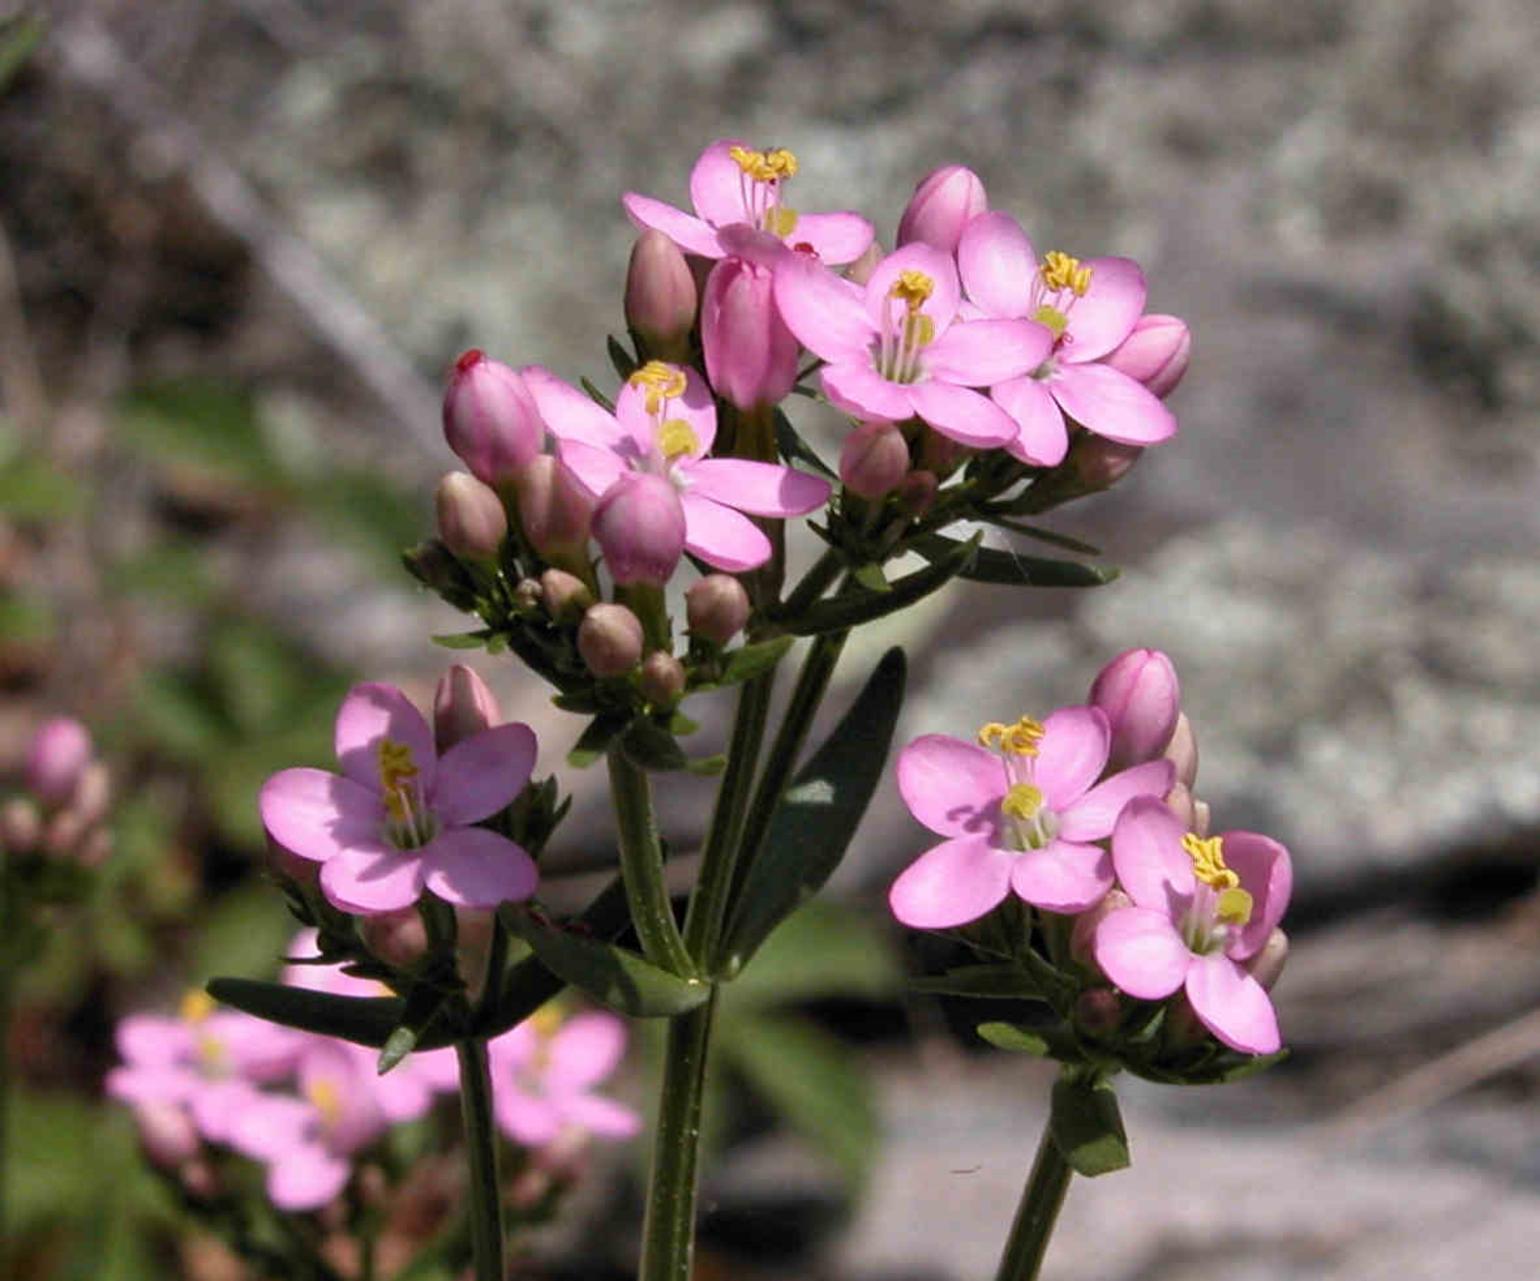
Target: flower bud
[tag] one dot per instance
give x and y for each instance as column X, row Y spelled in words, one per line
column 1084, row 932
column 21, row 826
column 918, row 493
column 64, row 832
column 1267, row 965
column 610, row 640
column 527, row 595
column 166, row 1133
column 471, row 520
column 289, row 866
column 1155, row 353
column 1096, row 463
column 860, row 271
column 1098, row 1011
column 554, row 509
column 1182, row 751
column 716, row 608
column 93, row 794
column 945, row 201
column 490, row 419
column 463, row 706
column 1138, row 691
column 639, row 525
column 96, row 849
column 941, row 454
column 663, row 679
column 60, row 750
column 660, row 298
column 398, row 938
column 566, row 596
column 874, row 459
column 751, row 357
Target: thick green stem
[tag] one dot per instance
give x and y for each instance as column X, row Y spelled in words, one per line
column 641, row 866
column 486, row 1202
column 668, row 1233
column 818, row 579
column 1037, row 1213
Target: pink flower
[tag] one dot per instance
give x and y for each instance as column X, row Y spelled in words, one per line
column 1202, row 909
column 751, row 357
column 895, row 348
column 945, row 201
column 734, row 185
column 664, row 425
column 58, row 755
column 543, row 1076
column 400, row 818
column 1021, row 811
column 1088, row 309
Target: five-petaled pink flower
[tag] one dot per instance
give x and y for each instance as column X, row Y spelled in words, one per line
column 400, row 817
column 543, row 1076
column 664, row 424
column 896, row 348
column 1087, row 309
column 735, row 185
column 1021, row 811
column 1202, row 909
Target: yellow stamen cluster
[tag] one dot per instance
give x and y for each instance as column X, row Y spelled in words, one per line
column 397, row 770
column 196, row 1005
column 327, row 1098
column 662, row 381
column 1061, row 271
column 1208, row 861
column 770, row 165
column 913, row 288
column 1022, row 801
column 677, row 439
column 1020, row 739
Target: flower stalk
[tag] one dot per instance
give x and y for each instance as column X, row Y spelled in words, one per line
column 1041, row 1200
column 486, row 1215
column 641, row 866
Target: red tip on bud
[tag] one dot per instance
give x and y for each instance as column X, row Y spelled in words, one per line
column 1139, row 693
column 463, row 707
column 639, row 525
column 610, row 640
column 874, row 460
column 945, row 201
column 490, row 419
column 470, row 356
column 471, row 519
column 716, row 608
column 663, row 679
column 1097, row 463
column 660, row 298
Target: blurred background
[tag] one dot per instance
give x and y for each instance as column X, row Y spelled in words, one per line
column 240, row 242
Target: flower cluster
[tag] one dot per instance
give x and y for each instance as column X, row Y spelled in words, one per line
column 68, row 792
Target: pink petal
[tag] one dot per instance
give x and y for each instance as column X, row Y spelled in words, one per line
column 403, row 1094
column 601, row 1117
column 370, row 883
column 951, row 786
column 1232, row 1005
column 998, row 265
column 524, row 1118
column 481, row 774
column 586, row 1049
column 307, row 1178
column 837, row 238
column 1095, row 814
column 217, row 1107
column 825, row 312
column 350, row 1078
column 1072, row 754
column 1063, row 876
column 1041, row 438
column 951, row 884
column 981, row 353
column 717, row 184
column 1112, row 404
column 1267, row 874
column 1107, row 314
column 722, row 537
column 570, row 413
column 862, row 392
column 597, row 467
column 472, row 867
column 941, row 306
column 763, row 489
column 154, row 1040
column 317, row 815
column 145, row 1086
column 1148, row 855
column 370, row 715
column 1141, row 952
column 269, row 1125
column 962, row 415
column 689, row 233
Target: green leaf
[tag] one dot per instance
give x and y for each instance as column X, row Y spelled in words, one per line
column 652, row 747
column 1050, row 536
column 1087, row 1126
column 842, row 612
column 364, row 1020
column 33, row 489
column 624, row 363
column 749, row 661
column 992, row 565
column 991, row 982
column 612, row 975
column 1011, row 1036
column 597, row 396
column 424, row 1007
column 595, row 740
column 706, row 766
column 464, row 640
column 817, row 817
column 871, row 577
column 794, row 449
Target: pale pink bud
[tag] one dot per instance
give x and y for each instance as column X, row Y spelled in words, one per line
column 639, row 525
column 874, row 460
column 166, row 1133
column 471, row 520
column 1182, row 751
column 1155, row 353
column 60, row 750
column 398, row 938
column 490, row 419
column 610, row 640
column 554, row 508
column 1267, row 965
column 463, row 706
column 663, row 679
column 1084, row 930
column 21, row 826
column 566, row 596
column 917, row 494
column 945, row 201
column 1097, row 463
column 751, row 357
column 660, row 295
column 716, row 608
column 93, row 794
column 1139, row 693
column 860, row 271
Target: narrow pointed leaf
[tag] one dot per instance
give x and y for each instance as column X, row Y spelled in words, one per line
column 749, row 661
column 595, row 740
column 794, row 449
column 623, row 362
column 991, row 982
column 1050, row 536
column 464, row 640
column 652, row 747
column 840, row 613
column 1009, row 568
column 362, row 1020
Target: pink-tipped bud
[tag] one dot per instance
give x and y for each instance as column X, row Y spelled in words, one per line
column 1182, row 751
column 716, row 608
column 1096, row 463
column 490, row 419
column 1267, row 965
column 639, row 525
column 463, row 706
column 60, row 750
column 1139, row 693
column 860, row 271
column 944, row 203
column 917, row 495
column 1155, row 353
column 660, row 296
column 1084, row 932
column 663, row 679
column 166, row 1133
column 555, row 510
column 751, row 357
column 21, row 826
column 566, row 596
column 610, row 640
column 471, row 520
column 397, row 938
column 874, row 460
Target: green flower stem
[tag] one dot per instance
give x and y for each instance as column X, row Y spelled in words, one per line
column 486, row 1200
column 641, row 865
column 1037, row 1213
column 818, row 579
column 668, row 1232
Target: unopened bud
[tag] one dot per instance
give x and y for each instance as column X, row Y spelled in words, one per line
column 1098, row 1011
column 554, row 508
column 1267, row 965
column 64, row 832
column 166, row 1133
column 463, row 707
column 471, row 520
column 1200, row 817
column 490, row 419
column 1182, row 751
column 1155, row 353
column 610, row 640
column 639, row 525
column 398, row 938
column 941, row 454
column 1141, row 697
column 874, row 459
column 918, row 492
column 660, row 297
column 527, row 595
column 716, row 608
column 435, row 567
column 60, row 750
column 751, row 356
column 663, row 679
column 1082, row 936
column 566, row 596
column 1097, row 463
column 945, row 201
column 860, row 271
column 21, row 826
column 93, row 793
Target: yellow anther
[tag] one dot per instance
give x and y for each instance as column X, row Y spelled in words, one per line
column 677, row 439
column 781, row 221
column 547, row 1020
column 211, row 1053
column 1023, row 801
column 662, row 381
column 196, row 1005
column 913, row 288
column 1020, row 739
column 1060, row 271
column 327, row 1099
column 1208, row 862
column 397, row 770
column 1052, row 318
column 770, row 165
column 1234, row 906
